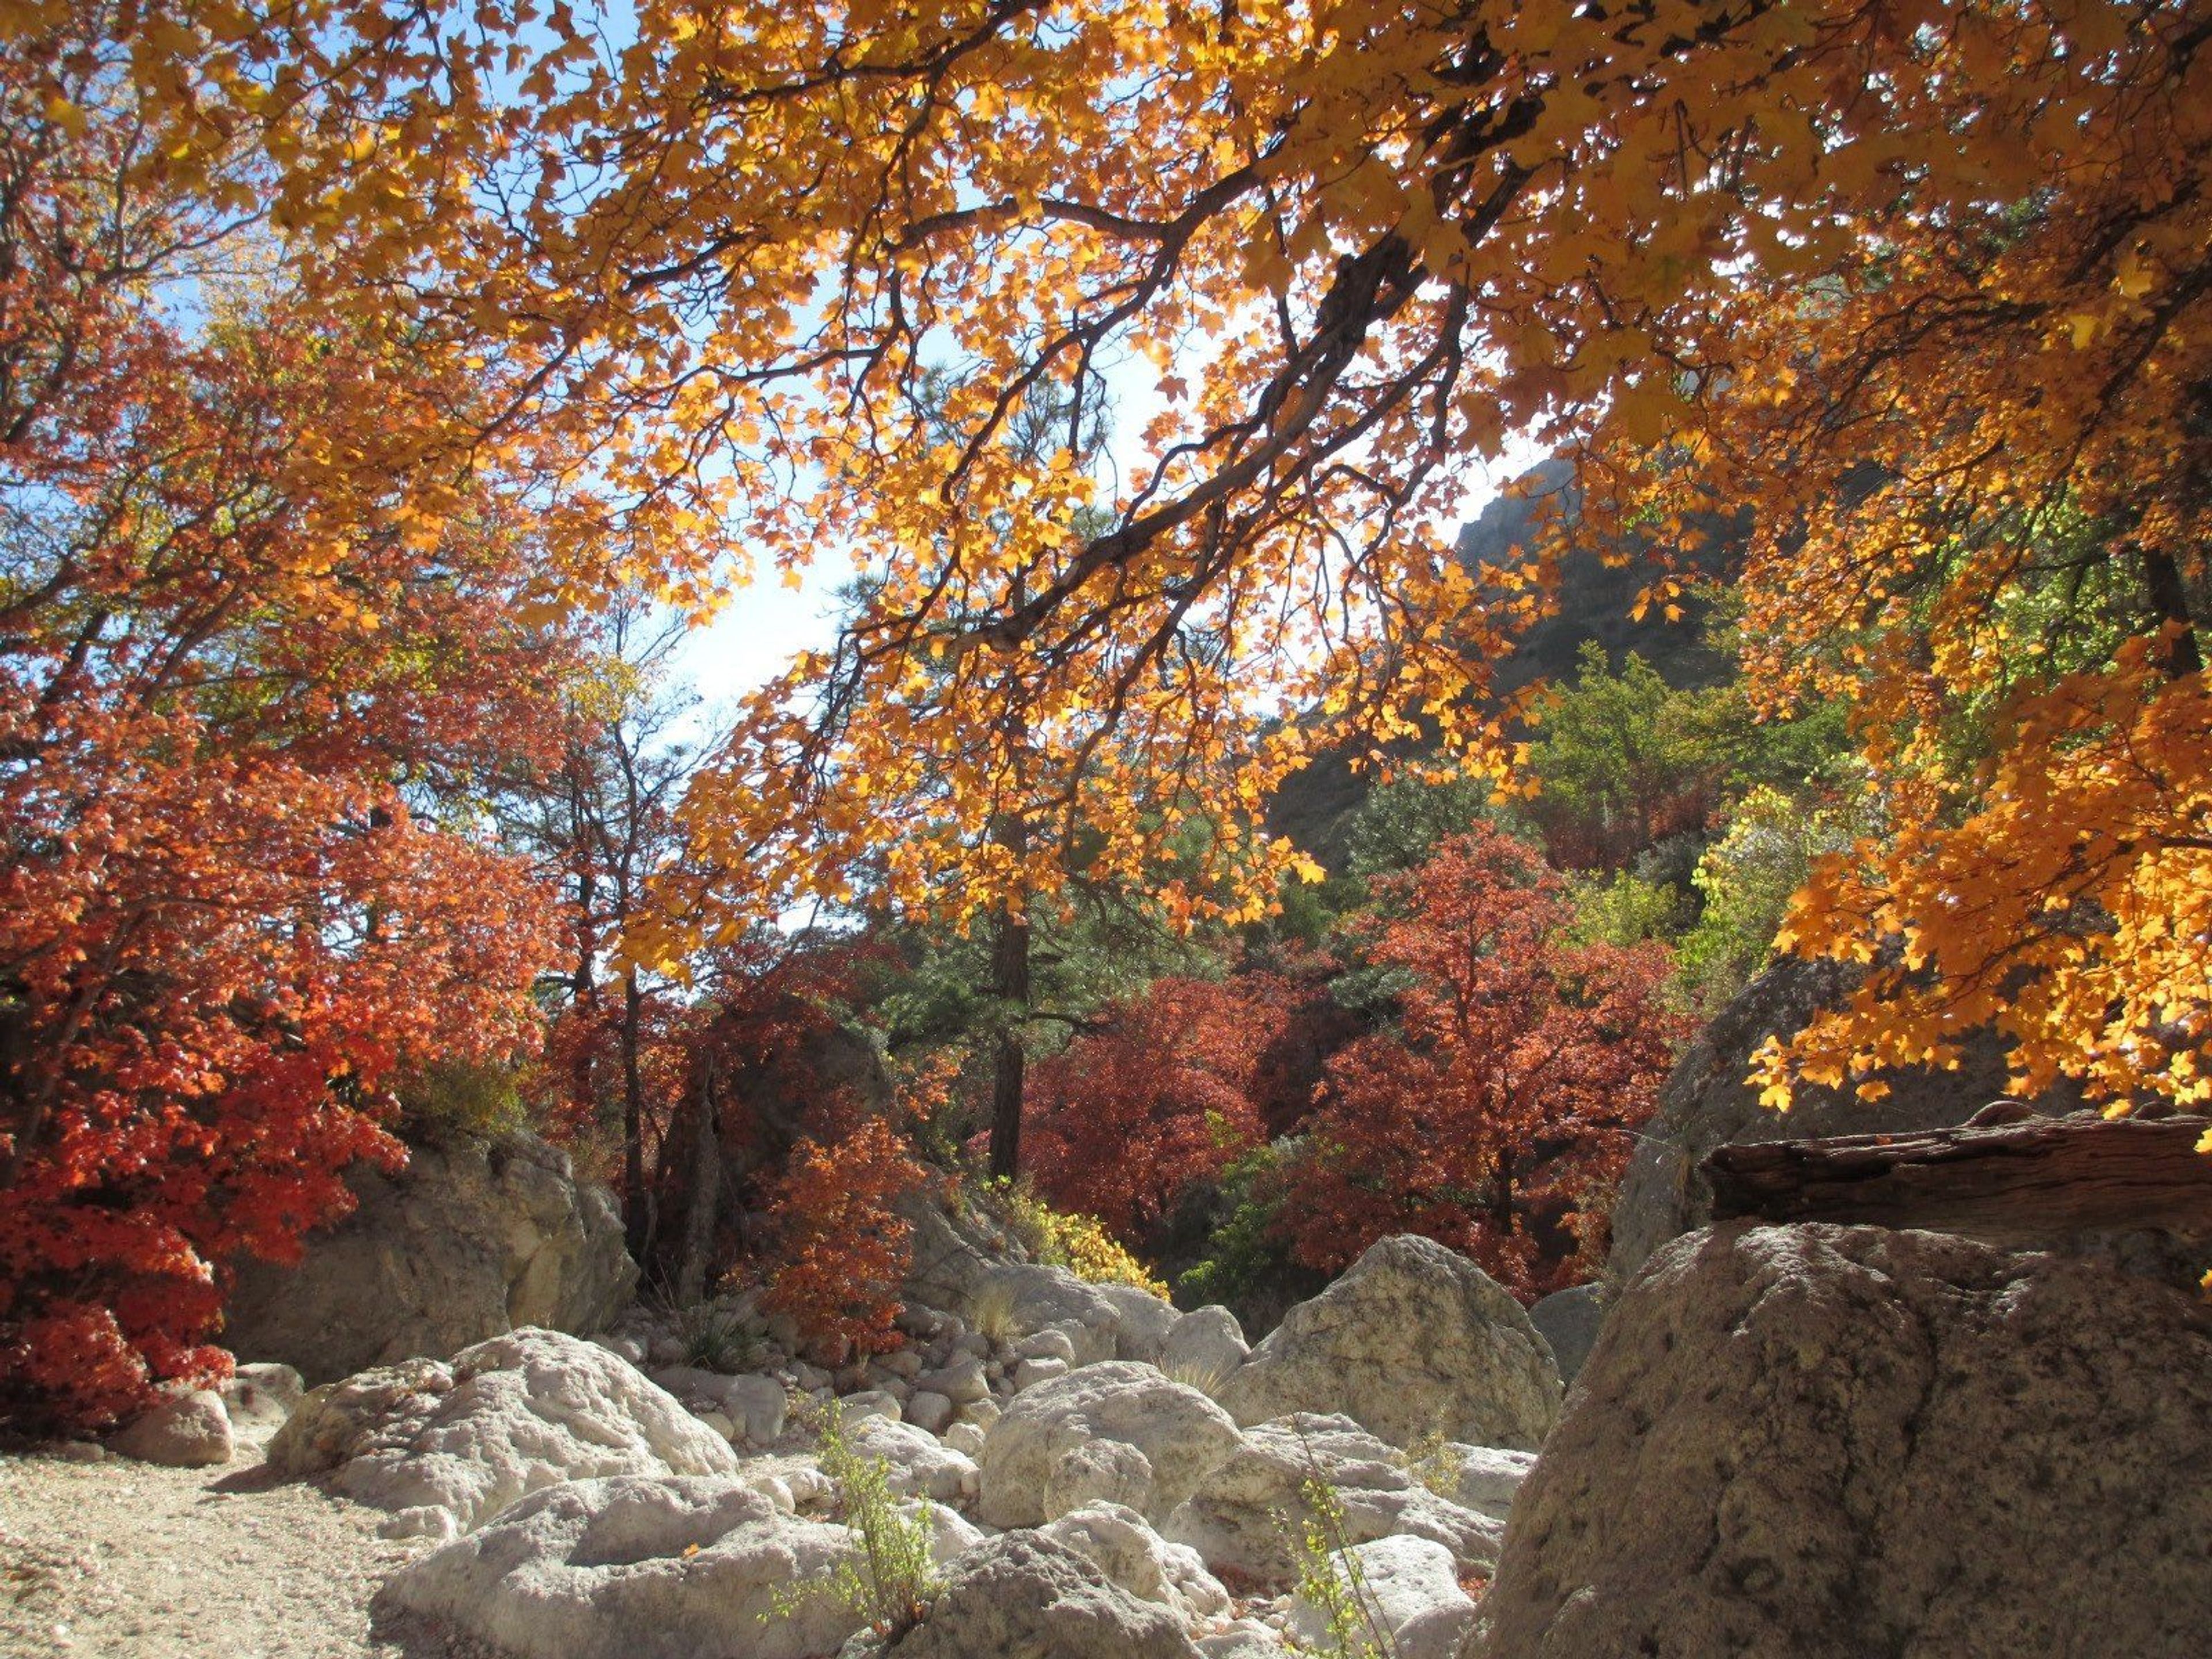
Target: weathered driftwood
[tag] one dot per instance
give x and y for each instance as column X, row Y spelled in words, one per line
column 2029, row 1180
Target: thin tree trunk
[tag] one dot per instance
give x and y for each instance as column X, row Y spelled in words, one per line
column 706, row 1193
column 1009, row 983
column 2169, row 598
column 636, row 1209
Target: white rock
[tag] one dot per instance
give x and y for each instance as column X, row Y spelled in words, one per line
column 259, row 1398
column 869, row 1402
column 1030, row 1372
column 445, row 1448
column 1246, row 1638
column 1413, row 1340
column 622, row 1347
column 921, row 1465
column 1053, row 1344
column 760, row 1404
column 1117, row 1541
column 967, row 1438
column 951, row 1535
column 933, row 1411
column 185, row 1431
column 717, row 1420
column 961, row 1382
column 1232, row 1519
column 1809, row 1439
column 1141, row 1321
column 607, row 1569
column 1028, row 1596
column 981, row 1412
column 1484, row 1478
column 1118, row 1430
column 1410, row 1589
column 1205, row 1348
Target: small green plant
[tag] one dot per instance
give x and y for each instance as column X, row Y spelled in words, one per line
column 1428, row 1461
column 1206, row 1376
column 992, row 1314
column 1329, row 1579
column 889, row 1585
column 720, row 1338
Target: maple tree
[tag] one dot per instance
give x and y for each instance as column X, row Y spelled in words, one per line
column 1733, row 255
column 1922, row 284
column 247, row 692
column 1495, row 1117
column 843, row 1249
column 1168, row 1090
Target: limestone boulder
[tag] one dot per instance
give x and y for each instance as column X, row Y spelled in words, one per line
column 1706, row 1103
column 259, row 1398
column 1568, row 1321
column 636, row 1567
column 445, row 1448
column 1484, row 1478
column 468, row 1241
column 1413, row 1341
column 1204, row 1347
column 1119, row 1431
column 1024, row 1596
column 183, row 1431
column 1828, row 1442
column 1121, row 1544
column 920, row 1465
column 1408, row 1592
column 1235, row 1519
column 1142, row 1321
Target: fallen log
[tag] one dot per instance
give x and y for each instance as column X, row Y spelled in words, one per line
column 2027, row 1181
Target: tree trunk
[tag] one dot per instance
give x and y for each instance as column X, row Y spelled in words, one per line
column 1009, row 983
column 699, row 1214
column 637, row 1202
column 2169, row 598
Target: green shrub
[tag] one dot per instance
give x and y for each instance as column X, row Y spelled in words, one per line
column 889, row 1587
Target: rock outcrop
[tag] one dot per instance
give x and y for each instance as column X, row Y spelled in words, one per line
column 1235, row 1519
column 1117, row 1541
column 1706, row 1103
column 1828, row 1442
column 185, row 1431
column 1412, row 1341
column 468, row 1241
column 445, row 1447
column 631, row 1567
column 1118, row 1431
column 1568, row 1321
column 1205, row 1347
column 1027, row 1597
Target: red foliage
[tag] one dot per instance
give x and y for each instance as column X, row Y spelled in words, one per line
column 842, row 1247
column 1175, row 1086
column 238, row 679
column 1496, row 1119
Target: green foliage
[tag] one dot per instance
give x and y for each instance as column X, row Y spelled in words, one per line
column 1244, row 1250
column 1623, row 908
column 720, row 1338
column 1330, row 1581
column 459, row 1100
column 1748, row 878
column 1621, row 759
column 1398, row 826
column 890, row 1585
